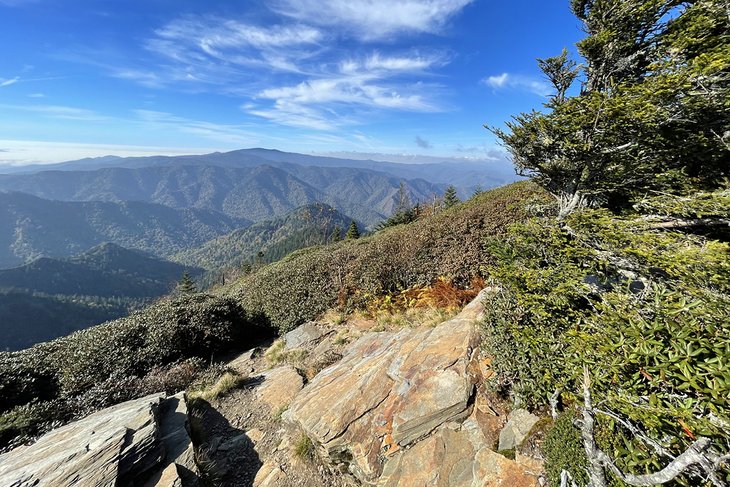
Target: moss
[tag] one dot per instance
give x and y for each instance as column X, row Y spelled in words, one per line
column 508, row 453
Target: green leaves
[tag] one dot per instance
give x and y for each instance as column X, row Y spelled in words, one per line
column 658, row 354
column 653, row 111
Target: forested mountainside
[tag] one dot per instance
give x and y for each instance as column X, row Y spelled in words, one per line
column 48, row 298
column 31, row 227
column 269, row 241
column 105, row 270
column 252, row 193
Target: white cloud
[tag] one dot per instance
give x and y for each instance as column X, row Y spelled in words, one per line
column 8, row 82
column 36, row 95
column 61, row 112
column 374, row 19
column 230, row 134
column 23, row 152
column 497, row 81
column 212, row 44
column 518, row 82
column 325, row 101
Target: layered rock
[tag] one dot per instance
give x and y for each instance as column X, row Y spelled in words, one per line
column 130, row 443
column 393, row 410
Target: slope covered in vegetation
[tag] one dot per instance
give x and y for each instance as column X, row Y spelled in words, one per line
column 450, row 244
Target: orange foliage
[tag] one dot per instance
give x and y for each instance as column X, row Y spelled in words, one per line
column 443, row 293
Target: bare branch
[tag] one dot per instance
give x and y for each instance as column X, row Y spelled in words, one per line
column 698, row 453
column 637, row 432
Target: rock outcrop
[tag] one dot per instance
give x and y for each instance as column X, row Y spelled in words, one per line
column 394, row 410
column 519, row 424
column 141, row 442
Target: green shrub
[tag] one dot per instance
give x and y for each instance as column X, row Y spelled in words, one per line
column 646, row 310
column 563, row 450
column 161, row 348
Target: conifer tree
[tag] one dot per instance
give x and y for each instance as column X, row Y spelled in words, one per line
column 450, row 198
column 352, row 232
column 651, row 115
column 187, row 285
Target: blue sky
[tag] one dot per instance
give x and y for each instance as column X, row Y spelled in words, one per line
column 85, row 77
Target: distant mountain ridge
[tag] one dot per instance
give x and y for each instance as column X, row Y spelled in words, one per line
column 256, row 193
column 32, row 227
column 464, row 174
column 106, row 270
column 48, row 298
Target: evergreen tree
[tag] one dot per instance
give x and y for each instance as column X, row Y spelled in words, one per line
column 187, row 285
column 403, row 200
column 652, row 112
column 352, row 232
column 450, row 198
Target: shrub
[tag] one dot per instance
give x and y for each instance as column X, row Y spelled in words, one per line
column 646, row 310
column 563, row 450
column 147, row 352
column 449, row 244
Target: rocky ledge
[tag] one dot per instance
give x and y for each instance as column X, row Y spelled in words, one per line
column 399, row 409
column 140, row 442
column 403, row 408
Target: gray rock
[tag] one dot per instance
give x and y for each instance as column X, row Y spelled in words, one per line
column 140, row 442
column 114, row 446
column 519, row 424
column 306, row 333
column 392, row 411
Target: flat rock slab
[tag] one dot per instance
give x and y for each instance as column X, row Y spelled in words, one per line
column 519, row 424
column 279, row 387
column 453, row 457
column 110, row 447
column 390, row 391
column 303, row 335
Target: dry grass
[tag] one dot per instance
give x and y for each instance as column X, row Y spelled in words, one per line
column 336, row 317
column 278, row 354
column 303, row 448
column 224, row 385
column 441, row 294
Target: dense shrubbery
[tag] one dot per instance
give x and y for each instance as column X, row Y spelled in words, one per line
column 100, row 366
column 450, row 244
column 647, row 310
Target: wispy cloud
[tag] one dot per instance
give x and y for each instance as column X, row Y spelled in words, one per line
column 422, row 143
column 8, row 82
column 212, row 43
column 327, row 101
column 371, row 20
column 23, row 152
column 231, row 134
column 61, row 112
column 37, row 95
column 518, row 82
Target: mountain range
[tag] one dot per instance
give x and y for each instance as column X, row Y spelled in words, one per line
column 48, row 298
column 32, row 227
column 465, row 174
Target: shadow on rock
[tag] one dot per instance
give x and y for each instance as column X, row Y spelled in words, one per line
column 224, row 454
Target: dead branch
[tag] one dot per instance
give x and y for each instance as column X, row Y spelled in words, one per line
column 698, row 454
